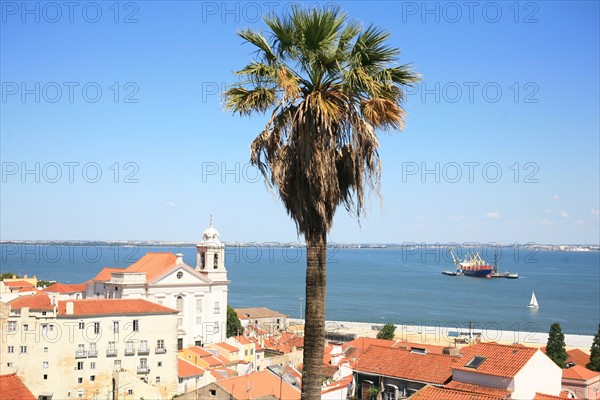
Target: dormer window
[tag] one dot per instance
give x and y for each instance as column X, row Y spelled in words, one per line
column 475, row 362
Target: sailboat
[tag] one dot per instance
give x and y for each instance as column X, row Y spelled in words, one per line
column 533, row 303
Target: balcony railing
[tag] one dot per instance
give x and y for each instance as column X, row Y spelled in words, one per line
column 143, row 351
column 80, row 354
column 92, row 353
column 143, row 370
column 130, row 352
column 160, row 350
column 111, row 352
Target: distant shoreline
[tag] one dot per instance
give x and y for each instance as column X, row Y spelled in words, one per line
column 440, row 335
column 409, row 246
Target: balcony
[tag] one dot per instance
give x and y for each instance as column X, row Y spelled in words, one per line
column 93, row 353
column 143, row 370
column 111, row 352
column 160, row 350
column 143, row 351
column 130, row 352
column 80, row 354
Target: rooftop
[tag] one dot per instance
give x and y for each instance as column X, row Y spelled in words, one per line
column 579, row 373
column 186, row 369
column 153, row 264
column 402, row 363
column 259, row 384
column 105, row 273
column 435, row 393
column 495, row 359
column 259, row 312
column 36, row 302
column 66, row 288
column 112, row 307
column 469, row 387
column 11, row 387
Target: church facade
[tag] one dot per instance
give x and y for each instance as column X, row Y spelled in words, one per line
column 198, row 292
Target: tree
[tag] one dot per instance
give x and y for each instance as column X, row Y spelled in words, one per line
column 328, row 84
column 387, row 332
column 594, row 363
column 555, row 348
column 234, row 326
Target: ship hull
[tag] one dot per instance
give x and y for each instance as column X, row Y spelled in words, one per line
column 480, row 273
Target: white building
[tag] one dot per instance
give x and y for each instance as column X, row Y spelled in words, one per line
column 93, row 348
column 199, row 293
column 522, row 371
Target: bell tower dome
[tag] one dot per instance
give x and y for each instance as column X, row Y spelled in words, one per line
column 210, row 258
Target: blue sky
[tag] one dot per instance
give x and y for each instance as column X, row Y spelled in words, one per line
column 115, row 112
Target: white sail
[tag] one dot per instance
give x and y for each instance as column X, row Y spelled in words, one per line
column 533, row 303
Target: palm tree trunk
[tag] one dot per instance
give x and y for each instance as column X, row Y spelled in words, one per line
column 314, row 327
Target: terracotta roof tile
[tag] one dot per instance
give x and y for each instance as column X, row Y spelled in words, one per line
column 153, row 264
column 66, row 288
column 200, row 351
column 29, row 289
column 104, row 274
column 259, row 384
column 435, row 393
column 578, row 357
column 186, row 369
column 226, row 346
column 112, row 307
column 401, row 363
column 500, row 360
column 12, row 388
column 579, row 373
column 259, row 312
column 40, row 301
column 17, row 284
column 541, row 396
column 468, row 387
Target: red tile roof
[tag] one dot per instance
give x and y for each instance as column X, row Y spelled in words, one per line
column 468, row 387
column 200, row 351
column 153, row 264
column 579, row 373
column 541, row 396
column 223, row 373
column 66, row 288
column 401, row 363
column 435, row 393
column 257, row 385
column 431, row 348
column 578, row 357
column 500, row 360
column 17, row 284
column 186, row 369
column 29, row 289
column 34, row 302
column 226, row 346
column 104, row 274
column 337, row 385
column 112, row 307
column 12, row 388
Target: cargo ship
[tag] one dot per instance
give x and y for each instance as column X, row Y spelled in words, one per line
column 473, row 265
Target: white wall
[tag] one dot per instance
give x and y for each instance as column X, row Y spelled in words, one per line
column 541, row 375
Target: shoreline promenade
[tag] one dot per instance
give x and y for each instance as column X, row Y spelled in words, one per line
column 444, row 335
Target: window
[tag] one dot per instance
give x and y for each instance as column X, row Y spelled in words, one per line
column 93, row 351
column 12, row 326
column 116, row 326
column 179, row 275
column 160, row 344
column 45, row 364
column 11, row 349
column 143, row 345
column 217, row 308
column 9, row 364
column 96, row 327
column 44, row 313
column 158, row 379
column 202, row 260
column 23, row 350
column 216, row 261
column 198, row 305
column 475, row 362
column 179, row 344
column 179, row 322
column 92, row 365
column 45, row 377
column 129, row 347
column 25, row 327
column 80, row 380
column 246, row 352
column 179, row 304
column 81, row 325
column 130, row 391
column 45, row 349
column 79, row 365
column 212, row 392
column 117, row 365
column 159, row 364
column 92, row 378
column 136, row 325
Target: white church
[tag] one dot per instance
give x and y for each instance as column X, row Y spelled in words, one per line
column 199, row 293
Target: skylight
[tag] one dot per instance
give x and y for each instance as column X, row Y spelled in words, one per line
column 476, row 362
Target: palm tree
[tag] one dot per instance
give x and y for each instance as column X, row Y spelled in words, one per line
column 328, row 84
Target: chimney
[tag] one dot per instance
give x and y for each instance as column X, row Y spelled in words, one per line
column 69, row 310
column 179, row 260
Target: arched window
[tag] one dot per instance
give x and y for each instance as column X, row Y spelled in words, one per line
column 216, row 263
column 179, row 303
